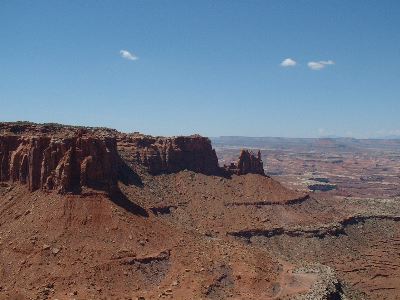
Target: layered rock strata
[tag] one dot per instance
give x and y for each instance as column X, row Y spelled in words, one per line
column 62, row 164
column 170, row 155
column 68, row 158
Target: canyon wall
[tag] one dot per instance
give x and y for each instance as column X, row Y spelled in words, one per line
column 62, row 164
column 169, row 155
column 68, row 158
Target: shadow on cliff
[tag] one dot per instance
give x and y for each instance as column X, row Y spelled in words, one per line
column 119, row 198
column 222, row 172
column 127, row 176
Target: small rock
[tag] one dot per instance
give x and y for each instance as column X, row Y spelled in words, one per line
column 169, row 291
column 55, row 250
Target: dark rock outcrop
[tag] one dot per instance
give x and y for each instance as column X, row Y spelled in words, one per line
column 247, row 163
column 62, row 164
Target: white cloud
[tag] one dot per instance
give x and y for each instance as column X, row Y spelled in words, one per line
column 319, row 65
column 128, row 55
column 288, row 62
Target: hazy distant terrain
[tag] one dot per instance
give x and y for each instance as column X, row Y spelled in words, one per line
column 311, row 144
column 344, row 166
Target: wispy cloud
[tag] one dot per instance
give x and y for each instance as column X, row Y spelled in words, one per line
column 319, row 65
column 128, row 55
column 288, row 62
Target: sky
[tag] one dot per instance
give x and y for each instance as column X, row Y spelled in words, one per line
column 251, row 68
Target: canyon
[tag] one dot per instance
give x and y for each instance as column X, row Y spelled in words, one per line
column 93, row 213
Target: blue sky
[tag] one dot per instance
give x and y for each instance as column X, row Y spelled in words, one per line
column 208, row 67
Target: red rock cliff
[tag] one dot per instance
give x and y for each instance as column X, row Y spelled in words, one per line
column 168, row 155
column 67, row 158
column 62, row 164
